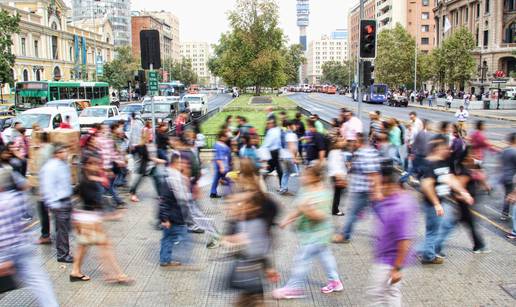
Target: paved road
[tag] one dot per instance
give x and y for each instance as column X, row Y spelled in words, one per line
column 219, row 100
column 488, row 207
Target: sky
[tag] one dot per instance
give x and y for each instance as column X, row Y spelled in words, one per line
column 205, row 20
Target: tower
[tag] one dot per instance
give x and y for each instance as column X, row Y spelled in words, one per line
column 303, row 13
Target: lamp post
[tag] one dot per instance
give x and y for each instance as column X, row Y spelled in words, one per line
column 482, row 71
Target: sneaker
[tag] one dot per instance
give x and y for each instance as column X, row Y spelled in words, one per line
column 170, row 264
column 436, row 260
column 213, row 244
column 196, row 229
column 215, row 196
column 287, row 293
column 510, row 236
column 482, row 250
column 440, row 255
column 332, row 286
column 340, row 213
column 504, row 217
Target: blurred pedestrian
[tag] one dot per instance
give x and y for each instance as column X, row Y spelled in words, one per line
column 288, row 153
column 272, row 142
column 314, row 227
column 337, row 171
column 436, row 184
column 90, row 231
column 221, row 162
column 364, row 184
column 462, row 117
column 45, row 151
column 351, row 126
column 395, row 230
column 56, row 190
column 315, row 144
column 508, row 165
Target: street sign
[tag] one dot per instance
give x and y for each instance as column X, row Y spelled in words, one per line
column 153, row 81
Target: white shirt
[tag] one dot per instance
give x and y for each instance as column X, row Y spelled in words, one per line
column 461, row 116
column 350, row 128
column 290, row 137
column 417, row 125
column 336, row 163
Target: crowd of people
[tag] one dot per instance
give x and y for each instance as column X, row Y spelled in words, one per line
column 375, row 168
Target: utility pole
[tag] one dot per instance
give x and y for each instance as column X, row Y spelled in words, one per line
column 359, row 68
column 418, row 15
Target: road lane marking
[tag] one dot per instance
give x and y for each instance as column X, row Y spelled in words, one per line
column 480, row 215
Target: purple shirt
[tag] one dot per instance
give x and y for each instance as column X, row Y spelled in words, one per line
column 396, row 221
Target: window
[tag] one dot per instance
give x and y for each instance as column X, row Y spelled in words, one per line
column 36, row 49
column 25, row 75
column 425, row 40
column 57, row 121
column 63, row 93
column 38, row 75
column 467, row 14
column 73, row 93
column 477, row 36
column 110, row 112
column 54, row 48
column 425, row 16
column 478, row 10
column 23, row 47
column 97, row 92
column 425, row 2
column 82, row 93
column 510, row 34
column 54, row 93
column 89, row 93
column 425, row 28
column 487, row 2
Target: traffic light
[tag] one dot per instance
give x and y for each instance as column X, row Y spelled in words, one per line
column 368, row 73
column 368, row 39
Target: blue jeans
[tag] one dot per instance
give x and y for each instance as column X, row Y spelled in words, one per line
column 433, row 224
column 113, row 192
column 303, row 261
column 359, row 201
column 29, row 270
column 287, row 165
column 175, row 235
column 449, row 221
column 216, row 177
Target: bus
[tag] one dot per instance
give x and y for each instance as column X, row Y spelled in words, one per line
column 173, row 88
column 376, row 93
column 33, row 94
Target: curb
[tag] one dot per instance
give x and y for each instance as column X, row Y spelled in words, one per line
column 497, row 117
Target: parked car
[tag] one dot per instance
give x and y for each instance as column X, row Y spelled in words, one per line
column 396, row 100
column 96, row 115
column 7, row 109
column 77, row 104
column 198, row 104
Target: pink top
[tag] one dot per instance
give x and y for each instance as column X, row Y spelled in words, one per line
column 479, row 144
column 350, row 128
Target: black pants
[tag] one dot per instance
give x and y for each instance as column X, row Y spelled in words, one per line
column 337, row 193
column 44, row 219
column 509, row 187
column 467, row 218
column 62, row 219
column 274, row 164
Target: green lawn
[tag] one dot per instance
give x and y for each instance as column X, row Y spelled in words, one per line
column 255, row 113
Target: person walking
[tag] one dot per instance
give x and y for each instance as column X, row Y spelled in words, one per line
column 395, row 226
column 272, row 143
column 364, row 184
column 449, row 100
column 288, row 154
column 56, row 190
column 300, row 132
column 45, row 153
column 221, row 162
column 337, row 172
column 314, row 228
column 436, row 184
column 508, row 165
column 462, row 117
column 467, row 98
column 90, row 231
column 18, row 260
column 351, row 126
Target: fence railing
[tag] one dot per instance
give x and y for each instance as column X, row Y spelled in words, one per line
column 199, row 120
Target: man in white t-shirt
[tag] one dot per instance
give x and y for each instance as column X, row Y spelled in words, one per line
column 462, row 117
column 351, row 126
column 288, row 154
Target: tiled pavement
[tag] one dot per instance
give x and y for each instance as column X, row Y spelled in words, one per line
column 464, row 280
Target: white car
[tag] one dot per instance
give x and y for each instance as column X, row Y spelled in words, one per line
column 48, row 118
column 197, row 103
column 96, row 115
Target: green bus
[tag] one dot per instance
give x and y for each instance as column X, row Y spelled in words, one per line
column 33, row 94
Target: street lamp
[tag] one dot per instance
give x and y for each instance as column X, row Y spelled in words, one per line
column 482, row 71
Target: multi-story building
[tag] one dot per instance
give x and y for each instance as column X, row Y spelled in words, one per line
column 148, row 22
column 421, row 23
column 171, row 21
column 199, row 54
column 117, row 11
column 322, row 51
column 49, row 48
column 493, row 25
column 391, row 12
column 339, row 34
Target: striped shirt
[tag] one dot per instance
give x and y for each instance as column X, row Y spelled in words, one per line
column 365, row 161
column 12, row 235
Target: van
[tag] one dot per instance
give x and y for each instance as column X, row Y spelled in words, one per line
column 197, row 103
column 96, row 115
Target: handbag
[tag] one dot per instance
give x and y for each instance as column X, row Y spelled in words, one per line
column 89, row 228
column 247, row 275
column 7, row 280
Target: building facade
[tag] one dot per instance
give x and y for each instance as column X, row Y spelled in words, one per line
column 117, row 11
column 199, row 54
column 421, row 23
column 322, row 51
column 49, row 48
column 147, row 22
column 172, row 21
column 493, row 24
column 391, row 12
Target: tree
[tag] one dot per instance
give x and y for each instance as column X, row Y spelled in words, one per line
column 337, row 73
column 182, row 71
column 294, row 60
column 394, row 64
column 121, row 69
column 253, row 52
column 456, row 57
column 9, row 25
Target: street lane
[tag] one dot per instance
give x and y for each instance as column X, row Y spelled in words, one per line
column 218, row 101
column 488, row 207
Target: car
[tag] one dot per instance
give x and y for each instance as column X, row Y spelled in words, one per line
column 77, row 104
column 6, row 122
column 396, row 100
column 7, row 109
column 48, row 118
column 96, row 115
column 198, row 104
column 128, row 109
column 164, row 111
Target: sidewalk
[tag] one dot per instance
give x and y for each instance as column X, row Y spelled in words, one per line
column 508, row 115
column 465, row 279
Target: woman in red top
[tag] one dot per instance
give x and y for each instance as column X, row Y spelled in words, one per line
column 479, row 144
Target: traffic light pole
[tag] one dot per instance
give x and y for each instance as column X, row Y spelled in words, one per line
column 151, row 68
column 359, row 69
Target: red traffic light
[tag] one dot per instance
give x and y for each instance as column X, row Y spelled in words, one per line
column 369, row 29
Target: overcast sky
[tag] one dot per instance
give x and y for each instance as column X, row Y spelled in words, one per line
column 204, row 20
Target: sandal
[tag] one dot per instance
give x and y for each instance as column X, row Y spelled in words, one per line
column 79, row 278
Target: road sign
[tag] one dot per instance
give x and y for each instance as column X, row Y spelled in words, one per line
column 153, row 81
